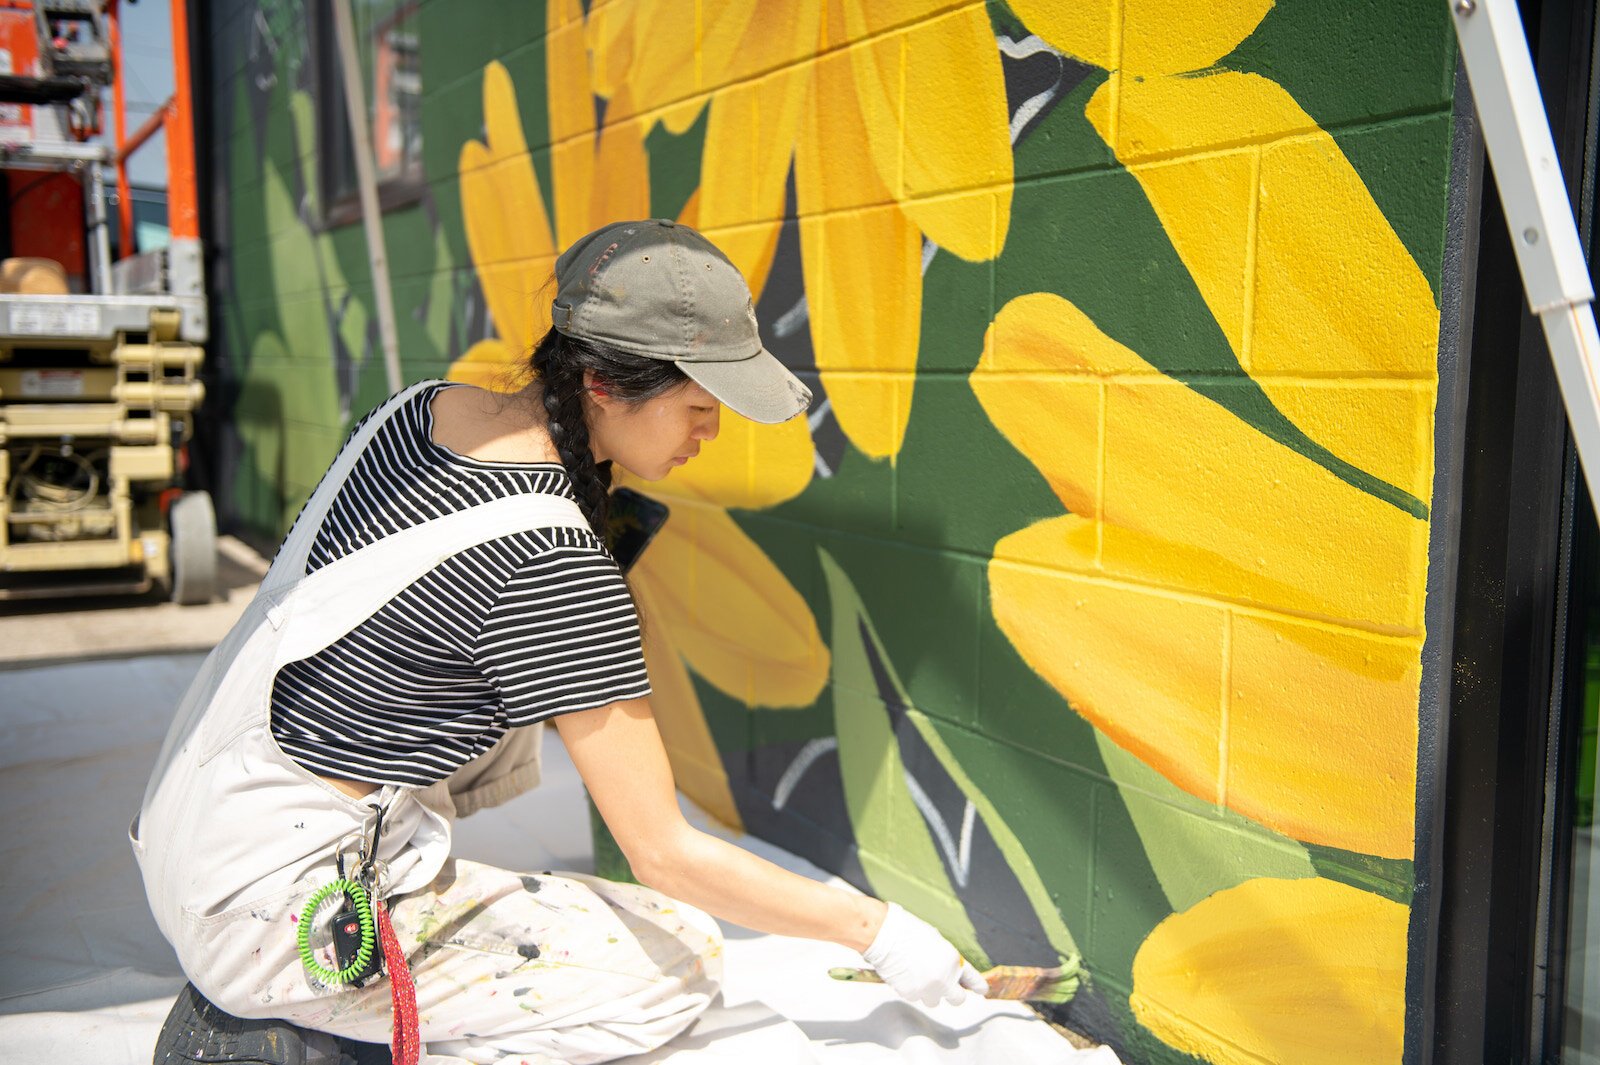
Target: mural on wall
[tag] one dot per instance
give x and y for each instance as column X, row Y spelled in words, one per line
column 1083, row 612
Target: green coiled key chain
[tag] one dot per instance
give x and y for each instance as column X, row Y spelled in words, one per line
column 357, row 897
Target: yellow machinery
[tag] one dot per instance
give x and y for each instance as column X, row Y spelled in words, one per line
column 99, row 361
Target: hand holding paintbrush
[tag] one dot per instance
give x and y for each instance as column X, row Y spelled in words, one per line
column 1021, row 983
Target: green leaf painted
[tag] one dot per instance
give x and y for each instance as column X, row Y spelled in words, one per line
column 1021, row 866
column 1195, row 849
column 882, row 812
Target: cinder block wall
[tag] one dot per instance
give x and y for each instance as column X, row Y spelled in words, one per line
column 1084, row 612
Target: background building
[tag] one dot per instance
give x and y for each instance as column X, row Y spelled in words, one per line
column 1182, row 567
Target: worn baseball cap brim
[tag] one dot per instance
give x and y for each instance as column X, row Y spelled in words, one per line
column 761, row 388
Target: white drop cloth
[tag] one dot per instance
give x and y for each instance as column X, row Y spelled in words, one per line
column 86, row 978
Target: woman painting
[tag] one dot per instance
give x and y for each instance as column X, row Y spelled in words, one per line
column 444, row 592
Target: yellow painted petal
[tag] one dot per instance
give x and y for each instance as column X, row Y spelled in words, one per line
column 1322, row 733
column 957, row 140
column 608, row 33
column 696, row 764
column 1144, row 36
column 744, row 168
column 1145, row 668
column 488, row 364
column 622, row 188
column 862, row 269
column 1333, row 290
column 666, row 60
column 571, row 107
column 1320, row 725
column 492, row 194
column 741, row 39
column 833, row 167
column 734, row 615
column 1306, row 971
column 1243, row 517
column 749, row 465
column 502, row 120
column 924, row 139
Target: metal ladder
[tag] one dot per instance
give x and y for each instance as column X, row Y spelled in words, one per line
column 1555, row 276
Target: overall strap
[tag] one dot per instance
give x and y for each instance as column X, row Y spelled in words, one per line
column 290, row 564
column 330, row 602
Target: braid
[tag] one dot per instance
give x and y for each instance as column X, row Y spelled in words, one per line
column 569, row 430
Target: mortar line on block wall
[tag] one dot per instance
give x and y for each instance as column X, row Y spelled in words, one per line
column 1247, row 331
column 1303, row 134
column 900, row 115
column 1242, row 607
column 1223, row 722
column 1116, row 75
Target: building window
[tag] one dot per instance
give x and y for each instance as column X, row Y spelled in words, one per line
column 387, row 46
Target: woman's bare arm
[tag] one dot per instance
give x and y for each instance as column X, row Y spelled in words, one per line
column 619, row 754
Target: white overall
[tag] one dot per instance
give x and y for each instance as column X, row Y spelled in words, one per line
column 233, row 837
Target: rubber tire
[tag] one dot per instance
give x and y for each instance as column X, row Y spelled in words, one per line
column 192, row 524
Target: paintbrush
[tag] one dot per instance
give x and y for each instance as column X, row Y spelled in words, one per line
column 1018, row 983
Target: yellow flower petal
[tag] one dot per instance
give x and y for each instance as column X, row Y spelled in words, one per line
column 744, row 38
column 957, row 140
column 1242, row 517
column 502, row 120
column 745, row 169
column 733, row 614
column 696, row 764
column 863, row 269
column 1144, row 36
column 608, row 34
column 1322, row 733
column 622, row 191
column 1145, row 668
column 666, row 59
column 1318, row 723
column 749, row 465
column 571, row 109
column 1305, row 971
column 1333, row 290
column 490, row 196
column 489, row 364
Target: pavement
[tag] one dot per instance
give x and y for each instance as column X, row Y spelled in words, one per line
column 38, row 631
column 86, row 691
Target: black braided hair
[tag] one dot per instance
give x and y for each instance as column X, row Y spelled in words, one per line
column 559, row 362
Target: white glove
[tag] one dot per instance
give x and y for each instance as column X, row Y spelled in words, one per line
column 919, row 963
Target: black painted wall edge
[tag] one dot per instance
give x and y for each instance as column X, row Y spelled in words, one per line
column 1456, row 309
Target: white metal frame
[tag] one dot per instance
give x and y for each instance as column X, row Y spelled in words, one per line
column 1555, row 276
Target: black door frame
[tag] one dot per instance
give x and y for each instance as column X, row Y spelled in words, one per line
column 1488, row 916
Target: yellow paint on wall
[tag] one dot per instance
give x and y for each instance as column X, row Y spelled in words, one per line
column 1144, row 36
column 1322, row 733
column 731, row 612
column 1299, row 266
column 697, row 767
column 956, row 140
column 1144, row 667
column 1336, row 291
column 1129, row 616
column 1217, row 507
column 1306, row 971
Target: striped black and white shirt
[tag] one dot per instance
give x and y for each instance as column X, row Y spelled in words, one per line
column 513, row 631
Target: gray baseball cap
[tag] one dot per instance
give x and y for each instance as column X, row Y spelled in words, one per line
column 660, row 289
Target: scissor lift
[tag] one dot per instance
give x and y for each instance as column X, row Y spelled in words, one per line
column 99, row 370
